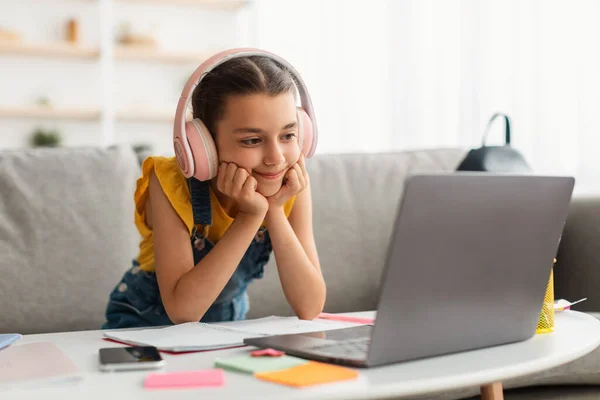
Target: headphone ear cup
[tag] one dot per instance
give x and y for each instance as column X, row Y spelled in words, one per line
column 305, row 131
column 203, row 148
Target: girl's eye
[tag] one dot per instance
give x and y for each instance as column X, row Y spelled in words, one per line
column 251, row 142
column 289, row 136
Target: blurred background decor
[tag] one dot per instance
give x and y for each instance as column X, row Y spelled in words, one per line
column 44, row 137
column 410, row 74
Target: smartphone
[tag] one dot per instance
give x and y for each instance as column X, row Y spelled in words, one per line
column 130, row 358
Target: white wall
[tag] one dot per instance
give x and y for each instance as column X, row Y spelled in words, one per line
column 384, row 74
column 412, row 74
column 75, row 83
column 341, row 48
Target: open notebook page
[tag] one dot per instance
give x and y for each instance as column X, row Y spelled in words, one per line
column 201, row 336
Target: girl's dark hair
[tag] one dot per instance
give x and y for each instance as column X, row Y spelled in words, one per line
column 238, row 76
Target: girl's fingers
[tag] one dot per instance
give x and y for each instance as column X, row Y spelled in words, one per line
column 293, row 182
column 238, row 181
column 229, row 175
column 300, row 175
column 221, row 176
column 231, row 170
column 302, row 164
column 249, row 187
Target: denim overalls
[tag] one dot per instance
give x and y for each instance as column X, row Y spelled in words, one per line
column 136, row 302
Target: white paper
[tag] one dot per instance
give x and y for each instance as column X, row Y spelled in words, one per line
column 285, row 326
column 199, row 336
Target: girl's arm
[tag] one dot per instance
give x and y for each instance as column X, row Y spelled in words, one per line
column 187, row 291
column 296, row 254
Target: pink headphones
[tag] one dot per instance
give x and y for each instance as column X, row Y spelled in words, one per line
column 195, row 148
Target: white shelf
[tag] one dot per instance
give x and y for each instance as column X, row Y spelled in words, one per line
column 50, row 113
column 133, row 53
column 130, row 53
column 150, row 116
column 145, row 116
column 47, row 50
column 66, row 50
column 219, row 4
column 107, row 54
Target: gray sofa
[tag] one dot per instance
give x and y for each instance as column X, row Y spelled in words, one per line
column 67, row 235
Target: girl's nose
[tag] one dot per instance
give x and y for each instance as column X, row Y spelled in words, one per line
column 274, row 155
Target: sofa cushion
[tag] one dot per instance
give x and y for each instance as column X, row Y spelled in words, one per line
column 575, row 273
column 66, row 235
column 355, row 197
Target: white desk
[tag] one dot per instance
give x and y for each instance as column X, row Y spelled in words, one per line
column 576, row 335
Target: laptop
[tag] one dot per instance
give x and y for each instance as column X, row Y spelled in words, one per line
column 467, row 267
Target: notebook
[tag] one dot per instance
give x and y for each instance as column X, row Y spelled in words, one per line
column 35, row 364
column 8, row 338
column 195, row 336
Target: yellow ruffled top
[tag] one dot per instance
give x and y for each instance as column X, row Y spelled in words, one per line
column 175, row 187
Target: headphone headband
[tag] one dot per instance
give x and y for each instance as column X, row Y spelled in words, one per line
column 218, row 59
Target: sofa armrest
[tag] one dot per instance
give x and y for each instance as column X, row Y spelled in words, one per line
column 577, row 271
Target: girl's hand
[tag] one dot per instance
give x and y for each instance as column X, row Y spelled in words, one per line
column 295, row 181
column 238, row 184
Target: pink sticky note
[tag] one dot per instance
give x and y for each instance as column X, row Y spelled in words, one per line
column 186, row 379
column 267, row 352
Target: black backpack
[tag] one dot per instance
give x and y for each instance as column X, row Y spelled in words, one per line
column 503, row 159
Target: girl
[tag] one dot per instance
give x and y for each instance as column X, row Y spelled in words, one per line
column 204, row 242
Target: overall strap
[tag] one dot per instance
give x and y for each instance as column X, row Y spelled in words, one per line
column 201, row 207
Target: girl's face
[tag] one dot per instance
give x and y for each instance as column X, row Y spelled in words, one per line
column 259, row 133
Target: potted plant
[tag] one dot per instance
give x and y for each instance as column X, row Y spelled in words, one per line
column 42, row 137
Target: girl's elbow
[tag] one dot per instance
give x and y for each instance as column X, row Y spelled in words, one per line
column 308, row 314
column 180, row 315
column 311, row 312
column 177, row 318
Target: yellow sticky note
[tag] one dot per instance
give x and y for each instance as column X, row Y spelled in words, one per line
column 311, row 373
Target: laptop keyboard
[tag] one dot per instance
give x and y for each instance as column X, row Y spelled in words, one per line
column 350, row 348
